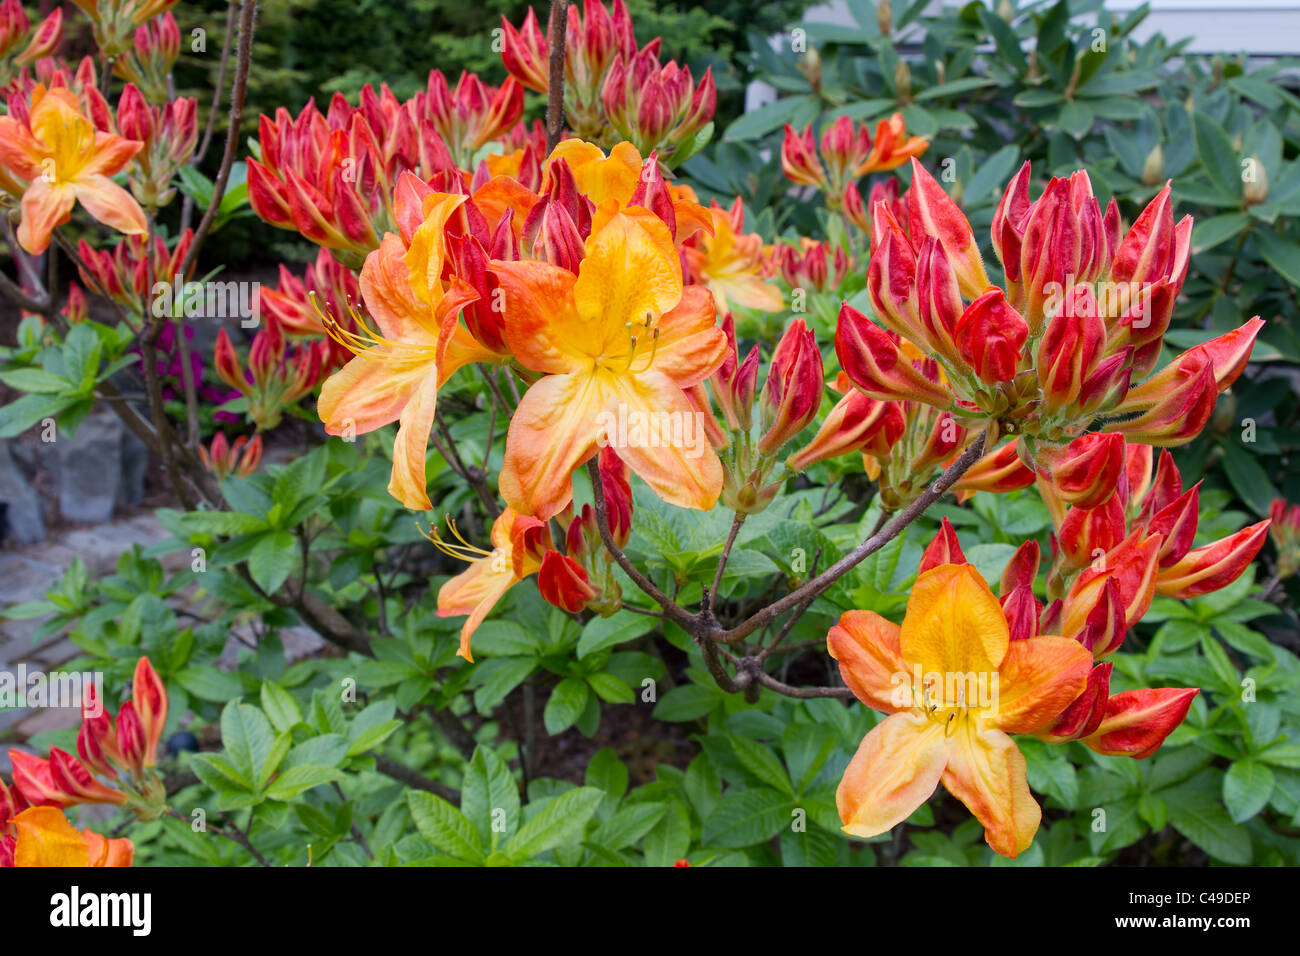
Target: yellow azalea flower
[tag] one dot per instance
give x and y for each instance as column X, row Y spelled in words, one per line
column 616, row 345
column 732, row 264
column 64, row 160
column 616, row 177
column 46, row 838
column 397, row 370
column 956, row 686
column 518, row 544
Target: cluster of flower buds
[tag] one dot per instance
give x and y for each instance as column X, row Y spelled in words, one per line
column 882, row 191
column 613, row 90
column 1284, row 528
column 331, row 176
column 278, row 374
column 153, row 54
column 1110, row 557
column 844, row 154
column 327, row 287
column 752, row 471
column 115, row 758
column 239, row 458
column 557, row 228
column 813, row 266
column 20, row 45
column 115, row 22
column 123, row 273
column 471, row 115
column 583, row 576
column 1133, row 723
column 169, row 134
column 1082, row 319
column 656, row 107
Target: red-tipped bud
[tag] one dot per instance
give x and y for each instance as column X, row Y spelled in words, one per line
column 1022, row 569
column 998, row 471
column 563, row 582
column 799, row 158
column 149, row 694
column 132, row 743
column 874, row 361
column 1179, row 413
column 1085, row 472
column 856, row 423
column 990, row 335
column 793, row 393
column 1213, row 566
column 34, row 782
column 1088, row 533
column 227, row 364
column 1138, row 721
column 931, row 212
column 1022, row 611
column 944, row 548
column 72, row 777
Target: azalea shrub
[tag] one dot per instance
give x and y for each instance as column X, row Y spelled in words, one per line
column 877, row 477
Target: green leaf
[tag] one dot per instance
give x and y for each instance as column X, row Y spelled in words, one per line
column 761, row 762
column 1280, row 253
column 247, row 737
column 444, row 826
column 745, row 817
column 686, row 702
column 767, row 118
column 489, row 797
column 602, row 632
column 22, row 414
column 611, row 689
column 1208, row 233
column 208, row 683
column 567, row 702
column 280, row 706
column 297, row 780
column 628, row 825
column 1247, row 787
column 1197, row 815
column 273, row 559
column 1217, row 155
column 561, row 821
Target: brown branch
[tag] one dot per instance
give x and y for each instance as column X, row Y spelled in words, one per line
column 555, row 85
column 736, row 522
column 413, row 778
column 243, row 61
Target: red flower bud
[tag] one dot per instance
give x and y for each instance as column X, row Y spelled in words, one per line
column 793, row 393
column 1213, row 566
column 1083, row 717
column 563, row 582
column 1138, row 721
column 874, row 361
column 944, row 548
column 931, row 212
column 990, row 335
column 1085, row 472
column 149, row 694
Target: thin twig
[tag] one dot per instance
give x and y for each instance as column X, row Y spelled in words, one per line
column 555, row 84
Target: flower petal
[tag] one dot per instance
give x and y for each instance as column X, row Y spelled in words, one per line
column 542, row 326
column 691, row 346
column 553, row 431
column 44, row 207
column 954, row 624
column 986, row 771
column 654, row 428
column 475, row 591
column 410, row 449
column 896, row 768
column 1038, row 679
column 631, row 272
column 110, row 204
column 866, row 646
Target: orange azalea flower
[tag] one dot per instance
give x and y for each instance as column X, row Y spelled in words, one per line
column 616, row 344
column 732, row 264
column 65, row 160
column 954, row 645
column 892, row 147
column 518, row 544
column 397, row 370
column 46, row 838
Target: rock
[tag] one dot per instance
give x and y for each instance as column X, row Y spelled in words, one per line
column 23, row 520
column 135, row 466
column 89, row 473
